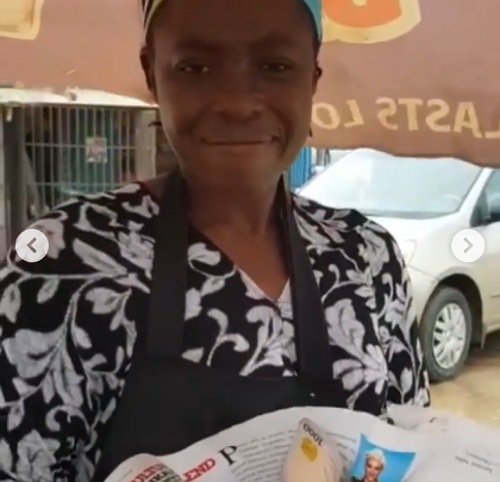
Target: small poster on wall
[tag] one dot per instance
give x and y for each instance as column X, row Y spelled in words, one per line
column 20, row 19
column 96, row 150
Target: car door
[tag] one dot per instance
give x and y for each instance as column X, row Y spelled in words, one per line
column 489, row 227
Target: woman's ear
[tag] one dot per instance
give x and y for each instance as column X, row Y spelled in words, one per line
column 318, row 72
column 147, row 68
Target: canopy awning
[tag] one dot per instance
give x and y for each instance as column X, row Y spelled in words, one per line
column 85, row 44
column 410, row 77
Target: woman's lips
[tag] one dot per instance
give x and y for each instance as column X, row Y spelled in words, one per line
column 240, row 147
column 239, row 142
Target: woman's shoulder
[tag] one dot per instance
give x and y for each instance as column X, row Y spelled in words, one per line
column 134, row 198
column 90, row 228
column 350, row 231
column 131, row 202
column 342, row 219
column 351, row 219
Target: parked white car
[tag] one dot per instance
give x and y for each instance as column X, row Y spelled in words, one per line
column 424, row 203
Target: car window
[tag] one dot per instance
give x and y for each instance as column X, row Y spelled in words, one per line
column 492, row 197
column 493, row 187
column 379, row 184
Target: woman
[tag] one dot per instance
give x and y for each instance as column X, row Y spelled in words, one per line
column 213, row 294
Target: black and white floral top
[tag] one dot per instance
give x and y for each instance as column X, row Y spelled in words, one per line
column 68, row 323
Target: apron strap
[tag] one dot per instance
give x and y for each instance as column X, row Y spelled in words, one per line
column 313, row 347
column 164, row 336
column 167, row 306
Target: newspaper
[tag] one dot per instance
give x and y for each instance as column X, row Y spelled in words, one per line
column 322, row 444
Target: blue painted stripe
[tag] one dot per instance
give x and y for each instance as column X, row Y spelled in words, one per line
column 301, row 170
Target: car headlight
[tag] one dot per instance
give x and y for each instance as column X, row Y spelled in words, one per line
column 407, row 247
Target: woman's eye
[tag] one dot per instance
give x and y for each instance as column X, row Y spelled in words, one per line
column 193, row 68
column 276, row 67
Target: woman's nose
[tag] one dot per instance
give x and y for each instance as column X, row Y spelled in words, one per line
column 237, row 95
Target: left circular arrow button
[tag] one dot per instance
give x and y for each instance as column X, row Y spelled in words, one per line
column 32, row 245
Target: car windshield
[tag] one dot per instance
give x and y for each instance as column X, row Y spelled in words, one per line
column 379, row 184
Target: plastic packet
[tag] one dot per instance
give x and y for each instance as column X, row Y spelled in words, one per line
column 313, row 456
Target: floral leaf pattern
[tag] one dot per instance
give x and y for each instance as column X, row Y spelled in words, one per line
column 10, row 302
column 15, row 417
column 35, row 457
column 68, row 324
column 47, row 291
column 5, row 455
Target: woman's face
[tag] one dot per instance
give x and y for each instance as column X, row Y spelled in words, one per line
column 373, row 470
column 234, row 81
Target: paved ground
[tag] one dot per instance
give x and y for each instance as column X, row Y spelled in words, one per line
column 476, row 392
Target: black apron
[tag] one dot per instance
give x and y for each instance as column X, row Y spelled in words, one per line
column 169, row 403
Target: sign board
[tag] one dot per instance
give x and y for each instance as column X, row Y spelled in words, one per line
column 411, row 77
column 96, row 150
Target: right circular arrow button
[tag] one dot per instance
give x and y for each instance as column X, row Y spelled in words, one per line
column 468, row 246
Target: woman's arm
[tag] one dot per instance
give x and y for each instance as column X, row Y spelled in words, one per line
column 397, row 320
column 65, row 343
column 40, row 386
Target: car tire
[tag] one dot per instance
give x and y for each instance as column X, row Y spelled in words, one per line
column 431, row 333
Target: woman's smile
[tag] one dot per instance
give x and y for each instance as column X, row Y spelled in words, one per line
column 244, row 147
column 239, row 142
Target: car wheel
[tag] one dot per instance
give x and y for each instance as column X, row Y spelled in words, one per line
column 445, row 333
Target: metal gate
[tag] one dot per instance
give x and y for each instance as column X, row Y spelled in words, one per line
column 51, row 153
column 83, row 150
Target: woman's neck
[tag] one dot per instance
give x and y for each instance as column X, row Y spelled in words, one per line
column 247, row 210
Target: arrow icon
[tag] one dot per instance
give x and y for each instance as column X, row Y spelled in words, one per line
column 469, row 245
column 30, row 245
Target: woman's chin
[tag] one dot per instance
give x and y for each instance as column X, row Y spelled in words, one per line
column 238, row 160
column 247, row 152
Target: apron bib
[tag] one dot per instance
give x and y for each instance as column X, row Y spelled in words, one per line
column 169, row 403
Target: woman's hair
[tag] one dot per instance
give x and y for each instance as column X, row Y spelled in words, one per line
column 378, row 455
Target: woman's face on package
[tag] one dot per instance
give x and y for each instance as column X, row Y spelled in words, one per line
column 373, row 469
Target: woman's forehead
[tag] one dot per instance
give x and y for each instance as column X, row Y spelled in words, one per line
column 217, row 43
column 224, row 21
